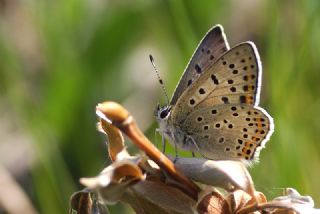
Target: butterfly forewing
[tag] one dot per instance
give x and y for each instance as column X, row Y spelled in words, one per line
column 213, row 45
column 229, row 131
column 233, row 79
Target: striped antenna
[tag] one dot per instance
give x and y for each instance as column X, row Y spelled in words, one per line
column 159, row 78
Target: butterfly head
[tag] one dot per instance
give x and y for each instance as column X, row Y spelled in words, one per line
column 162, row 113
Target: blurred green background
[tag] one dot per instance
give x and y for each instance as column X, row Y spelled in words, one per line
column 58, row 59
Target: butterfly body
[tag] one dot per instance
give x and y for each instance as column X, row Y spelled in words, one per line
column 214, row 110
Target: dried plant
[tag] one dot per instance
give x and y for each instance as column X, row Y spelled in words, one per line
column 152, row 183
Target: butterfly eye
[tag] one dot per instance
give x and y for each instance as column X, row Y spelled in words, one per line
column 164, row 113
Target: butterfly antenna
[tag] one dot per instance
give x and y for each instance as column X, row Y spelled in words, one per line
column 159, row 78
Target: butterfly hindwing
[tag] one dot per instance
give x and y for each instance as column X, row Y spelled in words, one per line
column 213, row 45
column 233, row 79
column 229, row 131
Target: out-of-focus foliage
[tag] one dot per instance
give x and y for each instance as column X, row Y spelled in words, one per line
column 58, row 59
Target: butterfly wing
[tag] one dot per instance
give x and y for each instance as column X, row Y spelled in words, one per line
column 212, row 46
column 232, row 82
column 230, row 131
column 234, row 78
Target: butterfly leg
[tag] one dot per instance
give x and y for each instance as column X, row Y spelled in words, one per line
column 190, row 139
column 194, row 143
column 163, row 141
column 163, row 145
column 176, row 151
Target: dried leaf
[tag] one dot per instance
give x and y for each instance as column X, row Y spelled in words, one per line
column 260, row 197
column 156, row 197
column 213, row 203
column 112, row 112
column 81, row 202
column 115, row 139
column 229, row 175
column 295, row 197
column 292, row 203
column 295, row 201
column 152, row 169
column 98, row 208
column 238, row 199
column 114, row 180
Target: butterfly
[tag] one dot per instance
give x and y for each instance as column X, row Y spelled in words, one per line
column 214, row 110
